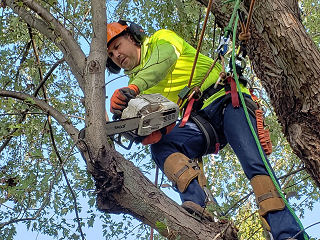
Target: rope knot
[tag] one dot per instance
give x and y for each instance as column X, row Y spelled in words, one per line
column 244, row 36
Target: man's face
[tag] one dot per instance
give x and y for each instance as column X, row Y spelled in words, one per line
column 124, row 52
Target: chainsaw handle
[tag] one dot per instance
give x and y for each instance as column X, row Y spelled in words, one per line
column 131, row 137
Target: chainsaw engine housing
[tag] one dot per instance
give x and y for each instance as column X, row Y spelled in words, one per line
column 154, row 110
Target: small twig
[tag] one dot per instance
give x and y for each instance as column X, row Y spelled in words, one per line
column 248, row 195
column 41, row 86
column 303, row 230
column 28, row 113
column 239, row 201
column 126, row 237
column 297, row 182
column 223, row 231
column 247, row 217
column 115, row 79
column 24, row 57
column 10, row 135
column 23, row 115
column 54, row 66
column 74, row 116
column 254, row 233
column 66, row 19
column 46, row 200
column 66, row 178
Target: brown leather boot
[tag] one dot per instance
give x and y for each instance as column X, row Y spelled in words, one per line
column 197, row 210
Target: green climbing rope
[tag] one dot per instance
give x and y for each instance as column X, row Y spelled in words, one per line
column 228, row 28
column 252, row 129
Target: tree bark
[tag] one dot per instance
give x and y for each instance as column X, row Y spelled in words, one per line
column 287, row 61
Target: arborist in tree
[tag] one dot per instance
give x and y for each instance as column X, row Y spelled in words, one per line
column 162, row 63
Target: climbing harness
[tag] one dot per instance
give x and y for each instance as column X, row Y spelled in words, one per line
column 208, row 131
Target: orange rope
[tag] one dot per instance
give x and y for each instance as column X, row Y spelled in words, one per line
column 200, row 41
column 245, row 35
column 250, row 15
column 199, row 45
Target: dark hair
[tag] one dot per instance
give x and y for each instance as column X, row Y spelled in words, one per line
column 131, row 36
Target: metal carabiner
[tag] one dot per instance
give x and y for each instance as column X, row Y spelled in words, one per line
column 223, row 46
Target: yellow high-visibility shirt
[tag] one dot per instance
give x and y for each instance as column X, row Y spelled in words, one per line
column 165, row 67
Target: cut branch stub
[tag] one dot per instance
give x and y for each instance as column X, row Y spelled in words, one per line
column 94, row 67
column 108, row 181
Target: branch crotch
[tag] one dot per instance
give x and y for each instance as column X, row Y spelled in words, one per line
column 108, row 181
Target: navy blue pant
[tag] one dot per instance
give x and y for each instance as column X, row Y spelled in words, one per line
column 232, row 127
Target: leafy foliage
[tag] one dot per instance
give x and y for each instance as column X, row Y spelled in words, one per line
column 310, row 10
column 33, row 187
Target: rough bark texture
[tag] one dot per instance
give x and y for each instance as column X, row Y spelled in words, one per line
column 141, row 199
column 288, row 64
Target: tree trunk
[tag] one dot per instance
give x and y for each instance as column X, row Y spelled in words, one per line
column 288, row 63
column 134, row 194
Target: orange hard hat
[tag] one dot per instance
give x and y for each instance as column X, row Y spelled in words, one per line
column 113, row 30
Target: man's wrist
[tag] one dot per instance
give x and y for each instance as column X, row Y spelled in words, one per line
column 135, row 88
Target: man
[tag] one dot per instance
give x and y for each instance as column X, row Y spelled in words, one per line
column 162, row 64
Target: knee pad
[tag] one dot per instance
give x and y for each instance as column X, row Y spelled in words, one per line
column 266, row 194
column 181, row 171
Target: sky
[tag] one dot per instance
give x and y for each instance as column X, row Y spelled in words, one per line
column 95, row 233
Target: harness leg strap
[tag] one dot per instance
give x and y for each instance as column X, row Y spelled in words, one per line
column 181, row 171
column 208, row 131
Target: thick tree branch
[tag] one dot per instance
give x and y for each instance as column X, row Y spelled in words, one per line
column 51, row 131
column 55, row 31
column 95, row 79
column 25, row 112
column 288, row 65
column 99, row 25
column 63, row 121
column 287, row 61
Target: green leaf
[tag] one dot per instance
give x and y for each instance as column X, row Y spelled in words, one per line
column 30, row 100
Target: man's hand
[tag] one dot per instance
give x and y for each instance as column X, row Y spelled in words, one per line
column 157, row 135
column 120, row 98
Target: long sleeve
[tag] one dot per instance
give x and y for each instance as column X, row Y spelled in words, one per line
column 161, row 61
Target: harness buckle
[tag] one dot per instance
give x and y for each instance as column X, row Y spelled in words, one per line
column 184, row 92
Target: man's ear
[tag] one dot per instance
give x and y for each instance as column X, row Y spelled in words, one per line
column 112, row 67
column 134, row 40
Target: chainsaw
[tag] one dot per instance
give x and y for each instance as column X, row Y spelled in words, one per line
column 144, row 114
